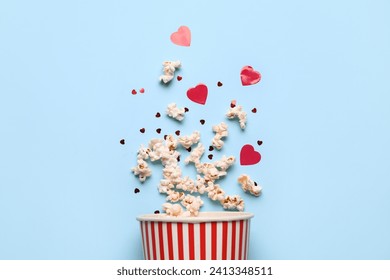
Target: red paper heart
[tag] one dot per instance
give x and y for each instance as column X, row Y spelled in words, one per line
column 249, row 76
column 198, row 94
column 248, row 155
column 182, row 37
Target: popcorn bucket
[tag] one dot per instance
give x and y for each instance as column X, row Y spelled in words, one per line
column 209, row 236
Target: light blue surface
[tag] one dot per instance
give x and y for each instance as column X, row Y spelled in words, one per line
column 66, row 72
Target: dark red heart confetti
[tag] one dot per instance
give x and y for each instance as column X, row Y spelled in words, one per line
column 259, row 142
column 186, row 109
column 255, row 184
column 202, row 122
column 179, row 78
column 122, row 141
column 156, row 212
column 136, row 190
column 210, row 156
column 254, row 110
column 189, row 149
column 158, row 115
column 133, row 92
column 233, row 103
column 177, row 132
column 142, row 130
column 211, row 148
column 178, row 158
column 219, row 84
column 165, row 137
column 158, row 130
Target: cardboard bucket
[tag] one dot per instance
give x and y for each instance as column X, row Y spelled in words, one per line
column 209, row 236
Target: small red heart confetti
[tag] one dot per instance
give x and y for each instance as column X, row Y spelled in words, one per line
column 156, row 212
column 210, row 156
column 198, row 94
column 165, row 137
column 178, row 158
column 248, row 155
column 233, row 103
column 259, row 142
column 142, row 130
column 136, row 190
column 158, row 115
column 186, row 109
column 179, row 78
column 158, row 130
column 177, row 132
column 255, row 184
column 219, row 84
column 142, row 90
column 211, row 148
column 133, row 92
column 122, row 141
column 202, row 122
column 189, row 149
column 182, row 37
column 249, row 76
column 254, row 110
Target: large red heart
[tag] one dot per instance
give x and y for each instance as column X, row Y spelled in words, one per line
column 182, row 37
column 198, row 94
column 249, row 76
column 249, row 156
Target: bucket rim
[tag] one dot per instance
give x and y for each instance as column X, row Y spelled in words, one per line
column 203, row 217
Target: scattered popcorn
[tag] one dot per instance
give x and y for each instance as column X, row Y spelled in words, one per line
column 233, row 202
column 237, row 112
column 174, row 112
column 142, row 170
column 220, row 132
column 180, row 189
column 172, row 209
column 169, row 70
column 188, row 141
column 248, row 185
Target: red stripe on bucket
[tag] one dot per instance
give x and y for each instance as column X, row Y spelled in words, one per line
column 191, row 241
column 202, row 241
column 170, row 243
column 233, row 256
column 214, row 241
column 180, row 240
column 153, row 240
column 161, row 240
column 241, row 236
column 224, row 240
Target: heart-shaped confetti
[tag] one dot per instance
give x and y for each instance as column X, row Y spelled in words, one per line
column 142, row 90
column 182, row 37
column 248, row 155
column 249, row 76
column 198, row 94
column 133, row 92
column 179, row 78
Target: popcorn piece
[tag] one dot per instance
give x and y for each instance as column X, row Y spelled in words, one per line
column 215, row 192
column 200, row 184
column 169, row 70
column 173, row 173
column 237, row 112
column 172, row 209
column 225, row 162
column 174, row 112
column 143, row 153
column 249, row 185
column 196, row 154
column 186, row 184
column 165, row 186
column 142, row 170
column 192, row 204
column 174, row 196
column 188, row 141
column 233, row 202
column 210, row 172
column 220, row 132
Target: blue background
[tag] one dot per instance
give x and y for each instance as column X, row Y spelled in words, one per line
column 67, row 69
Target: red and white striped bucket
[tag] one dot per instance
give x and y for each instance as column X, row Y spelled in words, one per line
column 209, row 236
